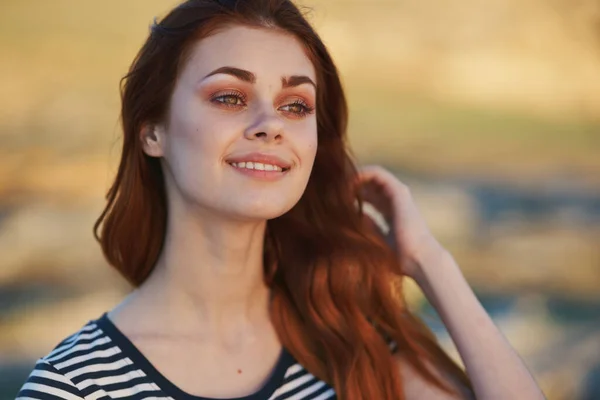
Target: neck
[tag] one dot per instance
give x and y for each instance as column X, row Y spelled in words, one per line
column 209, row 277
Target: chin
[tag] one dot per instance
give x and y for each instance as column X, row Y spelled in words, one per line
column 263, row 211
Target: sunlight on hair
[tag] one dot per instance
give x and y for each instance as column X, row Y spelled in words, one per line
column 376, row 216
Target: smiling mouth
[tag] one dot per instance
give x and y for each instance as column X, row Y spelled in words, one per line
column 257, row 166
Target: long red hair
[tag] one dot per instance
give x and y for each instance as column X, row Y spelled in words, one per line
column 336, row 294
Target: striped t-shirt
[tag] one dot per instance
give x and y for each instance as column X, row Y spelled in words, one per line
column 99, row 362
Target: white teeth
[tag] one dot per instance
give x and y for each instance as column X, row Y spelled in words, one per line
column 257, row 166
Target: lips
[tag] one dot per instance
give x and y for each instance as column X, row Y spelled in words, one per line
column 262, row 158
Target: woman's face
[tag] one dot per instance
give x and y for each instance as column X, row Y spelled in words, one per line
column 241, row 136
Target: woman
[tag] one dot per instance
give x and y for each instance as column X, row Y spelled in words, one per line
column 234, row 214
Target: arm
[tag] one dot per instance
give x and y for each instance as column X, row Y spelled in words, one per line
column 495, row 370
column 416, row 387
column 45, row 382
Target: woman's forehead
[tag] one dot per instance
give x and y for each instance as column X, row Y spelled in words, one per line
column 259, row 50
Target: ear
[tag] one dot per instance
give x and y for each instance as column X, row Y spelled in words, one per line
column 152, row 138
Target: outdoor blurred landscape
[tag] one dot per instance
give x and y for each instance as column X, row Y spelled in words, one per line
column 489, row 110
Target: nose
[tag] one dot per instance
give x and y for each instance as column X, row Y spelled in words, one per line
column 267, row 127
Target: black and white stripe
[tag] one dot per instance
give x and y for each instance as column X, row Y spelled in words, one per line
column 96, row 363
column 299, row 385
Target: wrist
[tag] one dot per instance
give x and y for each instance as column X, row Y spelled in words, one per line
column 431, row 265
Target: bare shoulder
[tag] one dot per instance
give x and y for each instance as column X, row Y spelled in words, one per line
column 417, row 387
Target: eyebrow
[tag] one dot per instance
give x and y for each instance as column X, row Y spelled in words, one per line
column 296, row 80
column 247, row 76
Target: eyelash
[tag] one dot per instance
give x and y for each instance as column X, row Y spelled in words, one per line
column 306, row 109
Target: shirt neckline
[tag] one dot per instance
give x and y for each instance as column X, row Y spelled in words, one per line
column 275, row 380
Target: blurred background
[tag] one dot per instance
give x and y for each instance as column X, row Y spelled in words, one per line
column 489, row 110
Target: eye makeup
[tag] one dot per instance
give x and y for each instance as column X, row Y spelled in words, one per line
column 294, row 106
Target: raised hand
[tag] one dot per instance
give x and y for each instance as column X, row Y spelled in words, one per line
column 408, row 232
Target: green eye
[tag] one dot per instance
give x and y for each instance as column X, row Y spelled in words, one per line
column 231, row 99
column 299, row 108
column 228, row 99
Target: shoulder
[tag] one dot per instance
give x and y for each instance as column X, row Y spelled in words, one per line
column 50, row 377
column 417, row 387
column 45, row 382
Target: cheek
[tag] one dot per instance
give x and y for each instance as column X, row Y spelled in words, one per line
column 309, row 146
column 199, row 137
column 195, row 145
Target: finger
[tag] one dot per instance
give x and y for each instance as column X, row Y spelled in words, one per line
column 374, row 192
column 377, row 174
column 380, row 177
column 376, row 195
column 370, row 172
